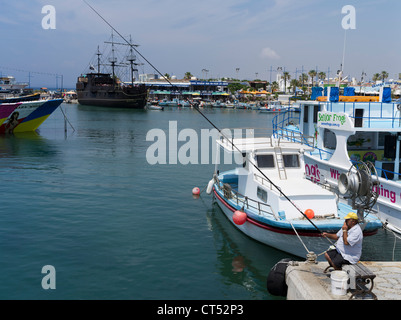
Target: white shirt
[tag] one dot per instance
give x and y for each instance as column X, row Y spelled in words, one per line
column 353, row 251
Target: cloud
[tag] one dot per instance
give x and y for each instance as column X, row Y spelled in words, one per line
column 269, row 53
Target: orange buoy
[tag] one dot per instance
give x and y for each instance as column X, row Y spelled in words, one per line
column 239, row 217
column 196, row 191
column 310, row 213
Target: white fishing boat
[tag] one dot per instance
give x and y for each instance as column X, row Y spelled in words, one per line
column 154, row 107
column 350, row 129
column 272, row 106
column 269, row 199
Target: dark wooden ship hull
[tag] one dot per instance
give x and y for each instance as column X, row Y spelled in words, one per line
column 99, row 90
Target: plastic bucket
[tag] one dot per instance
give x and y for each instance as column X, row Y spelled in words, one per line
column 339, row 283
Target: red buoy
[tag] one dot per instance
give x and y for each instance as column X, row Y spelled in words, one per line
column 239, row 217
column 196, row 191
column 310, row 213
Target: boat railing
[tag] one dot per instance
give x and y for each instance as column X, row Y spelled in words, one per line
column 262, row 209
column 263, row 181
column 249, row 133
column 380, row 114
column 388, row 175
column 280, row 128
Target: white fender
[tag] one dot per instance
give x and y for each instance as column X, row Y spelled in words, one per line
column 210, row 186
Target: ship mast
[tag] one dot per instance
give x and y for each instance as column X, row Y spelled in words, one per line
column 112, row 59
column 98, row 59
column 131, row 58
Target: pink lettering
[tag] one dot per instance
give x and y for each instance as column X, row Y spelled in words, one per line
column 312, row 172
column 334, row 174
column 385, row 193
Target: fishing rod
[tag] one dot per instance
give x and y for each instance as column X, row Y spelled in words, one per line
column 207, row 119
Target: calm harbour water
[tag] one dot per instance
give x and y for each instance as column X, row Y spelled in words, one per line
column 115, row 227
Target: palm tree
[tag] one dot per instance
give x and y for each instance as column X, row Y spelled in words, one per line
column 376, row 77
column 384, row 75
column 294, row 84
column 274, row 86
column 188, row 75
column 303, row 77
column 312, row 74
column 286, row 76
column 322, row 75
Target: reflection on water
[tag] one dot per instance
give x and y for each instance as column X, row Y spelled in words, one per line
column 238, row 264
column 242, row 260
column 26, row 144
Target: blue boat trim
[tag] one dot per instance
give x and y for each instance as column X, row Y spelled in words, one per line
column 304, row 228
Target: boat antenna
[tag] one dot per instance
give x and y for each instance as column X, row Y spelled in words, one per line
column 210, row 122
column 342, row 63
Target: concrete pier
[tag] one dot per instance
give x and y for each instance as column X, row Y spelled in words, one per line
column 307, row 281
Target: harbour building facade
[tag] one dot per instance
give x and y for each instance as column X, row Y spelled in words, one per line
column 183, row 89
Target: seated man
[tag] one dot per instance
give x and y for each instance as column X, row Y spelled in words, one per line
column 349, row 243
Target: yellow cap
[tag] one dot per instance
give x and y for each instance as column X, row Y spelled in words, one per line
column 351, row 215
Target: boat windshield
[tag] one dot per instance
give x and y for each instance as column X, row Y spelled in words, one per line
column 291, row 160
column 265, row 160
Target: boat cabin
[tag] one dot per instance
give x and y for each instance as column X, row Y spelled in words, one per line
column 372, row 127
column 272, row 166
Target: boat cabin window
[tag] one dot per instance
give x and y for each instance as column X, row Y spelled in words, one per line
column 262, row 194
column 306, row 111
column 291, row 160
column 361, row 141
column 380, row 139
column 329, row 140
column 358, row 118
column 315, row 112
column 265, row 160
column 390, row 144
column 316, row 109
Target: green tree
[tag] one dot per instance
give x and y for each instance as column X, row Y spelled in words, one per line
column 376, row 77
column 294, row 84
column 322, row 76
column 312, row 74
column 274, row 86
column 286, row 76
column 188, row 75
column 384, row 75
column 303, row 78
column 235, row 86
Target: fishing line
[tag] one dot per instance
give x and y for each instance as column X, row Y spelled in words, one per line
column 207, row 119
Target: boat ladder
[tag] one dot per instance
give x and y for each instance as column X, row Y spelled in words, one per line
column 280, row 163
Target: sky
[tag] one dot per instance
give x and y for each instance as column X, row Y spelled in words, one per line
column 245, row 39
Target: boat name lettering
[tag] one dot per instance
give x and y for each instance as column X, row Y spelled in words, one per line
column 385, row 193
column 332, row 117
column 312, row 172
column 334, row 174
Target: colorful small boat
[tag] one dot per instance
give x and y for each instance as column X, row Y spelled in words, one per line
column 6, row 109
column 28, row 116
column 30, row 97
